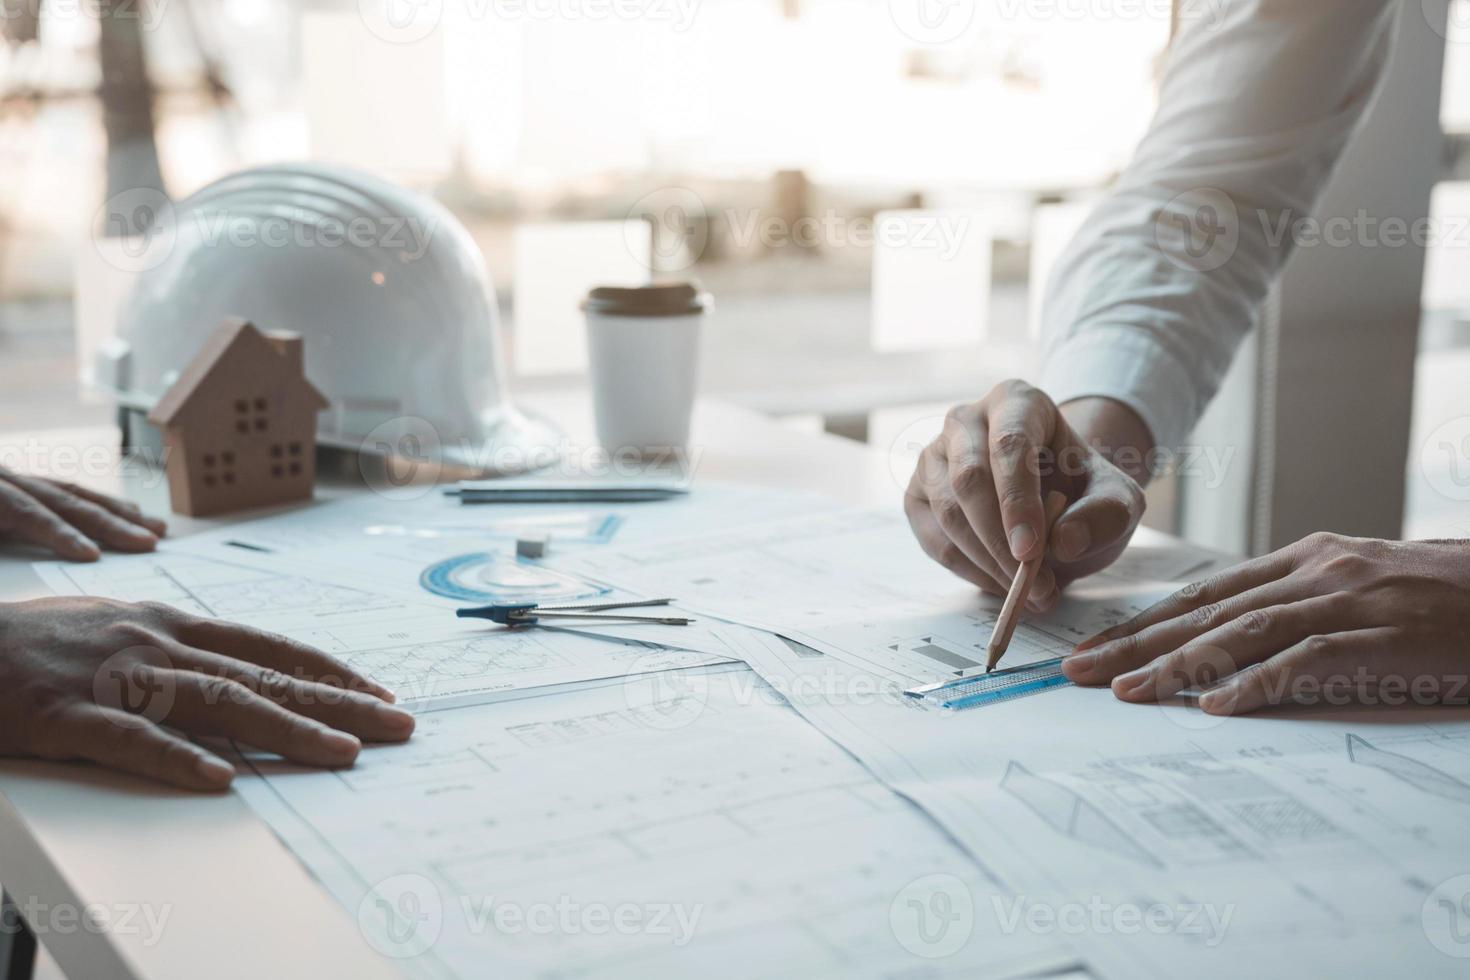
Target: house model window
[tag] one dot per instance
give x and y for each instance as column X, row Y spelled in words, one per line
column 240, row 424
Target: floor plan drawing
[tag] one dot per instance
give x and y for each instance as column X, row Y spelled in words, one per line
column 739, row 825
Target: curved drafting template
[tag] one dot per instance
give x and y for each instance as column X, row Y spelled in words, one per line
column 489, row 577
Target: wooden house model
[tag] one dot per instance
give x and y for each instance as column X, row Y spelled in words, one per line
column 239, row 425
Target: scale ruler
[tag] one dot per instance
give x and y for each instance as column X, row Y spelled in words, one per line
column 964, row 693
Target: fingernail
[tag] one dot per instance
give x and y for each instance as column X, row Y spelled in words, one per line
column 371, row 688
column 1023, row 539
column 214, row 771
column 1132, row 681
column 340, row 743
column 1079, row 664
column 1072, row 541
column 1214, row 699
column 396, row 719
column 84, row 549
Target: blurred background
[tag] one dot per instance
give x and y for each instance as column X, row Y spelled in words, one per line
column 769, row 143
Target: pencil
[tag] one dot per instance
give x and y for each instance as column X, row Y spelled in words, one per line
column 1010, row 612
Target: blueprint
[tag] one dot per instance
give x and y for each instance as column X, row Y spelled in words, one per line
column 683, row 825
column 386, row 543
column 429, row 559
column 415, row 648
column 850, row 582
column 808, row 818
column 853, row 583
column 1334, row 844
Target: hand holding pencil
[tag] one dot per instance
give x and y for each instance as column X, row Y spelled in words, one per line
column 1010, row 613
column 977, row 498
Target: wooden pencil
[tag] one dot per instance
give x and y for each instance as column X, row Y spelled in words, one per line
column 1010, row 612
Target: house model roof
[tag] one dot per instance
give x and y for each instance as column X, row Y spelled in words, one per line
column 232, row 335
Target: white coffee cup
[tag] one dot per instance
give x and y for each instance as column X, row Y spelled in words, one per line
column 643, row 344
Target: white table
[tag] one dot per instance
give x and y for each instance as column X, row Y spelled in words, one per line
column 238, row 903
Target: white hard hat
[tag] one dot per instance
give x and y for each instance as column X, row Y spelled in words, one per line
column 386, row 287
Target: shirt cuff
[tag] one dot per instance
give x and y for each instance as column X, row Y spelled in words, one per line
column 1130, row 367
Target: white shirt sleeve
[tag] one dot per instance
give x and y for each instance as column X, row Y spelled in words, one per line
column 1150, row 301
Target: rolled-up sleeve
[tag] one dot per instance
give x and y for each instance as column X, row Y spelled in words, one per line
column 1150, row 301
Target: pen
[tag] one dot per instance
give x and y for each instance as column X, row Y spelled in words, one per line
column 1010, row 612
column 609, row 496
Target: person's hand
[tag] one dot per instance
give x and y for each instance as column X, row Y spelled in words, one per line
column 975, row 500
column 71, row 521
column 115, row 683
column 1327, row 620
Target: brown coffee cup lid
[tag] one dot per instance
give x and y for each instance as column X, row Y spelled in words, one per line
column 661, row 299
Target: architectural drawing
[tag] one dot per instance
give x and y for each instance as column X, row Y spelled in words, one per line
column 1417, row 774
column 1072, row 815
column 515, row 833
column 414, row 648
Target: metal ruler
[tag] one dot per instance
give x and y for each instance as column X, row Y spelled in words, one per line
column 979, row 691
